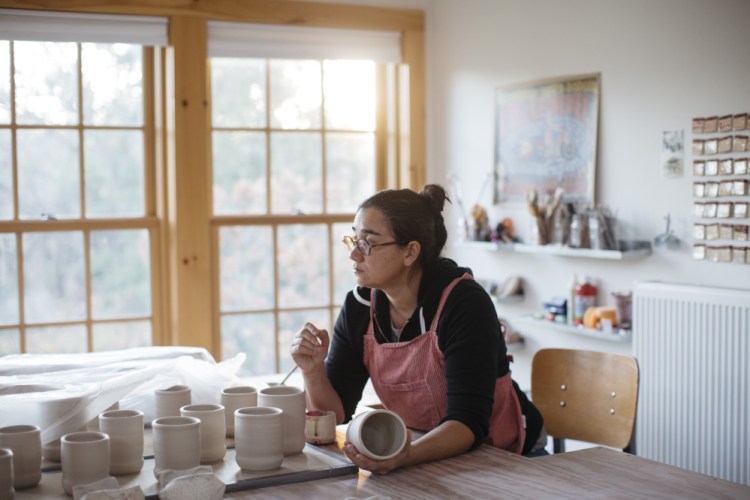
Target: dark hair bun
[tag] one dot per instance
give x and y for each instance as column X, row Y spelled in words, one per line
column 435, row 195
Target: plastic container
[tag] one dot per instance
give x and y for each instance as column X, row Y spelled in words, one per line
column 585, row 298
column 624, row 304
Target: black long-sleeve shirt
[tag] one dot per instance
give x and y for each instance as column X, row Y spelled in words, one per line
column 468, row 336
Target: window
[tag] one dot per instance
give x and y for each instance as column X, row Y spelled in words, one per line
column 168, row 224
column 290, row 138
column 294, row 153
column 77, row 235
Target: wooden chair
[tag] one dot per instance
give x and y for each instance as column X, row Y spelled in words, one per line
column 587, row 396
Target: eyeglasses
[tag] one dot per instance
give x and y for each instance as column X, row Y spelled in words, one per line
column 364, row 246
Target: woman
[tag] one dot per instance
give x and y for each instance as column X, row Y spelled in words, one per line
column 426, row 334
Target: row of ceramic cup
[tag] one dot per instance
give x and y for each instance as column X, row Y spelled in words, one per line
column 184, row 436
column 267, row 424
column 219, row 421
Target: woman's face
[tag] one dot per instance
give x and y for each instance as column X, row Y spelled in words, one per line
column 385, row 267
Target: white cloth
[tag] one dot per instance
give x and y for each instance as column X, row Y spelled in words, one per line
column 167, row 476
column 106, row 489
column 203, row 486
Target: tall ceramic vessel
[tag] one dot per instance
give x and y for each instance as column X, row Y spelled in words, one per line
column 125, row 430
column 292, row 401
column 213, row 430
column 26, row 443
column 85, row 458
column 168, row 401
column 378, row 434
column 234, row 398
column 177, row 443
column 7, row 492
column 258, row 442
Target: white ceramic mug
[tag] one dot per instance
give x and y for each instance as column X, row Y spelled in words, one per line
column 234, row 398
column 85, row 458
column 26, row 443
column 125, row 430
column 6, row 474
column 213, row 430
column 169, row 401
column 259, row 441
column 320, row 427
column 177, row 443
column 378, row 434
column 292, row 401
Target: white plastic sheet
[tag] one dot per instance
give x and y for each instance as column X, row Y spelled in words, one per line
column 61, row 393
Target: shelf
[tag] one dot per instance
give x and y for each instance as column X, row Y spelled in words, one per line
column 513, row 299
column 635, row 250
column 615, row 336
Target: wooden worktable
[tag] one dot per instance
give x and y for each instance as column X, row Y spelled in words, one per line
column 491, row 473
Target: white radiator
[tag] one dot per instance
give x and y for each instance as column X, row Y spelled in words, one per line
column 693, row 348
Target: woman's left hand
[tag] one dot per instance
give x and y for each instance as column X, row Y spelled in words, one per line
column 378, row 466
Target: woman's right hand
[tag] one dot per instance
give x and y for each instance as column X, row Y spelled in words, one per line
column 310, row 347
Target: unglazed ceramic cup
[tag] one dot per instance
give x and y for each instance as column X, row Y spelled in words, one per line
column 169, row 401
column 213, row 430
column 26, row 443
column 177, row 443
column 234, row 398
column 85, row 458
column 378, row 434
column 292, row 401
column 125, row 430
column 258, row 441
column 320, row 427
column 7, row 492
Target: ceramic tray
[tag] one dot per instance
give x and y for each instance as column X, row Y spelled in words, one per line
column 312, row 463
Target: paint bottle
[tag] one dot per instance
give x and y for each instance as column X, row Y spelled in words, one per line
column 585, row 298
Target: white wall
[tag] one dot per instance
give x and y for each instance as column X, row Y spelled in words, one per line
column 661, row 63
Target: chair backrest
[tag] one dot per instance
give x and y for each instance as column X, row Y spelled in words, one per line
column 586, row 395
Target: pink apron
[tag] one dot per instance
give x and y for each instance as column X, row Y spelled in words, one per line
column 409, row 378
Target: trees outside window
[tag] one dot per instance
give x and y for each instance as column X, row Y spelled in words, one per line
column 293, row 146
column 76, row 253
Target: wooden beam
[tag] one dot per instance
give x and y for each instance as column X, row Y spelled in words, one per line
column 413, row 54
column 190, row 179
column 262, row 11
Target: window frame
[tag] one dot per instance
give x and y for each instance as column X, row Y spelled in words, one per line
column 149, row 221
column 188, row 294
column 274, row 220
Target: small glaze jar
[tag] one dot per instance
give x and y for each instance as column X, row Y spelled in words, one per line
column 320, row 427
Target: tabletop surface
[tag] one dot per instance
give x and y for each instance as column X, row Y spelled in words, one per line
column 491, row 473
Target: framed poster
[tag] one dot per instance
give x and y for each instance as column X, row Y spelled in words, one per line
column 546, row 137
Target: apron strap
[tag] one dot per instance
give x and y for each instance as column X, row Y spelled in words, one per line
column 444, row 297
